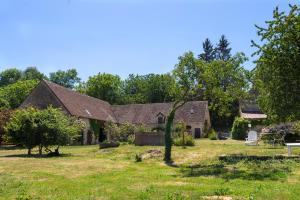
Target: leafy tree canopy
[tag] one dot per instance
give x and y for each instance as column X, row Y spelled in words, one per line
column 10, row 76
column 17, row 92
column 105, row 86
column 67, row 78
column 278, row 65
column 32, row 73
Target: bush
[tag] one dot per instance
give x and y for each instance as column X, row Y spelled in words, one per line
column 187, row 140
column 108, row 144
column 239, row 128
column 4, row 119
column 212, row 135
column 122, row 133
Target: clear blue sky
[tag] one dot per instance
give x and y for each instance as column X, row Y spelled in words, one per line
column 122, row 36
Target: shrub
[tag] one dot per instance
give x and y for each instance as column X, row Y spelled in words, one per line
column 127, row 130
column 187, row 140
column 141, row 128
column 112, row 130
column 108, row 144
column 4, row 119
column 212, row 135
column 122, row 133
column 239, row 128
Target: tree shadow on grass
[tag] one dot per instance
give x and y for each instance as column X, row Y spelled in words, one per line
column 244, row 167
column 35, row 156
column 10, row 147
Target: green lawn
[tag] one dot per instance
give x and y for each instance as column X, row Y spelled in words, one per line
column 85, row 172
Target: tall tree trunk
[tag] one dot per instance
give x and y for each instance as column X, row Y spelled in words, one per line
column 168, row 137
column 29, row 151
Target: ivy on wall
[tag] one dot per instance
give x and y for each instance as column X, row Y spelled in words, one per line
column 95, row 126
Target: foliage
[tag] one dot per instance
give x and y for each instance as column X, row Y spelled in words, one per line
column 32, row 73
column 68, row 78
column 4, row 104
column 104, row 86
column 223, row 49
column 205, row 128
column 123, row 132
column 209, row 53
column 127, row 131
column 43, row 128
column 142, row 128
column 112, row 130
column 225, row 84
column 80, row 87
column 277, row 69
column 150, row 88
column 239, row 128
column 212, row 135
column 187, row 140
column 4, row 119
column 179, row 129
column 17, row 92
column 10, row 76
column 95, row 126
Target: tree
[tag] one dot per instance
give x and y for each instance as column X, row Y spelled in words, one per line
column 277, row 69
column 43, row 128
column 104, row 86
column 159, row 88
column 134, row 89
column 22, row 128
column 209, row 53
column 185, row 73
column 223, row 50
column 10, row 76
column 17, row 92
column 225, row 84
column 67, row 78
column 32, row 73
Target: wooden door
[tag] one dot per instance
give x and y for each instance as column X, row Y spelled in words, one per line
column 197, row 133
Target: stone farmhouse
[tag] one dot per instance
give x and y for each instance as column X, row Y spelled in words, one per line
column 194, row 114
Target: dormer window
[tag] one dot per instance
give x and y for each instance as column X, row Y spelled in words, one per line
column 160, row 118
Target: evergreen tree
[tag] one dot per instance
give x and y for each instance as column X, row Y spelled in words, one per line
column 223, row 50
column 209, row 53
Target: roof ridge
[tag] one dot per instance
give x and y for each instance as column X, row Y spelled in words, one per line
column 154, row 103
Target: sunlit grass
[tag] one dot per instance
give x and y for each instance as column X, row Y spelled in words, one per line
column 85, row 172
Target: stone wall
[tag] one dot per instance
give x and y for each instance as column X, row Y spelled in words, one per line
column 150, row 139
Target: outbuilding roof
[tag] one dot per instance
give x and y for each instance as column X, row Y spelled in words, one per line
column 84, row 106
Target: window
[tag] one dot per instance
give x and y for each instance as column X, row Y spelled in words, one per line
column 160, row 120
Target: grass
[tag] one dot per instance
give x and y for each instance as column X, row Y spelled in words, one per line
column 85, row 172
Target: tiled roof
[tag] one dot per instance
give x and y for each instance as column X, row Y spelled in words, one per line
column 192, row 111
column 82, row 105
column 250, row 110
